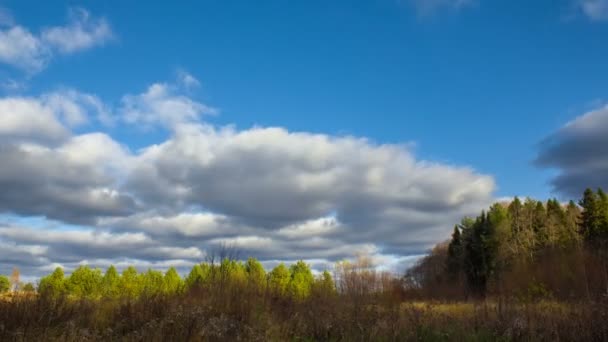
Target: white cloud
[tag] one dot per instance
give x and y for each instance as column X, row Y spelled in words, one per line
column 426, row 7
column 20, row 48
column 82, row 32
column 270, row 192
column 31, row 52
column 596, row 10
column 162, row 105
column 187, row 80
column 48, row 117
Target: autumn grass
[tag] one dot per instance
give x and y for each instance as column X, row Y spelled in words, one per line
column 238, row 315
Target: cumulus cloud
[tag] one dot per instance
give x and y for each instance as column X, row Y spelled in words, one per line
column 270, row 192
column 21, row 48
column 162, row 105
column 49, row 117
column 578, row 152
column 596, row 10
column 82, row 32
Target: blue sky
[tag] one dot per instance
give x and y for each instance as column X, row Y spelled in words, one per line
column 474, row 84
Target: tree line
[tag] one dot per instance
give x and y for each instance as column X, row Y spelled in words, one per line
column 296, row 281
column 527, row 249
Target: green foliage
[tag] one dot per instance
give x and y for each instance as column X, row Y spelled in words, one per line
column 301, row 280
column 152, row 282
column 130, row 284
column 172, row 282
column 325, row 283
column 111, row 283
column 5, row 285
column 85, row 282
column 28, row 287
column 196, row 277
column 54, row 284
column 256, row 275
column 278, row 279
column 232, row 271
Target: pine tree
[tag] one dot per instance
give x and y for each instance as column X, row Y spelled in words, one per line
column 590, row 222
column 455, row 255
column 539, row 218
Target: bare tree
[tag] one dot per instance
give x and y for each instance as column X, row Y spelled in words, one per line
column 15, row 279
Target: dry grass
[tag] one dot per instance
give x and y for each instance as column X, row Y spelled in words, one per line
column 236, row 314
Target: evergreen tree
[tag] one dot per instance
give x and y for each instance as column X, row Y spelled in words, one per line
column 555, row 226
column 591, row 220
column 572, row 218
column 602, row 206
column 455, row 255
column 516, row 215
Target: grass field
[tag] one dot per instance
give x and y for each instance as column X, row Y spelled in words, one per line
column 197, row 317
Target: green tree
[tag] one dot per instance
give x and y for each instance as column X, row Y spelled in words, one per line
column 589, row 217
column 130, row 283
column 555, row 227
column 5, row 285
column 197, row 276
column 482, row 247
column 28, row 287
column 152, row 282
column 111, row 283
column 325, row 283
column 278, row 279
column 539, row 225
column 455, row 255
column 572, row 216
column 85, row 282
column 256, row 275
column 172, row 282
column 53, row 284
column 603, row 215
column 301, row 280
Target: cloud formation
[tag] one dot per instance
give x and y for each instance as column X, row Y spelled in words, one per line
column 578, row 152
column 270, row 192
column 31, row 52
column 596, row 10
column 426, row 7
